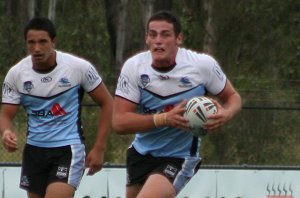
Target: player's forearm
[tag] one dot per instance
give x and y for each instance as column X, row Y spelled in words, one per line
column 130, row 123
column 104, row 129
column 7, row 115
column 233, row 105
column 101, row 139
column 5, row 125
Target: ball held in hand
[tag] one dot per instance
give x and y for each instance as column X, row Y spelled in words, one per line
column 197, row 111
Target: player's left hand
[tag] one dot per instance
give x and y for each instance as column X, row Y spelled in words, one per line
column 94, row 161
column 217, row 120
column 10, row 141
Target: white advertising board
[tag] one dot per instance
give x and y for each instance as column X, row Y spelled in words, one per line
column 207, row 183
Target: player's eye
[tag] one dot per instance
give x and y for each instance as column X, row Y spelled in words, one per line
column 152, row 34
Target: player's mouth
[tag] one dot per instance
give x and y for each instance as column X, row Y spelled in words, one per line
column 37, row 57
column 158, row 51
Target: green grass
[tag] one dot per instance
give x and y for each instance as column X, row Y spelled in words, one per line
column 13, row 157
column 20, row 124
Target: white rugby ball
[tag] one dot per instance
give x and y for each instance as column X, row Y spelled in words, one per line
column 197, row 111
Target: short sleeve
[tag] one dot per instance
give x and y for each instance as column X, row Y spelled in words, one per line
column 216, row 77
column 127, row 86
column 90, row 78
column 10, row 93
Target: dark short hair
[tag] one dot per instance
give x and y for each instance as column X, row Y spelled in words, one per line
column 40, row 23
column 165, row 15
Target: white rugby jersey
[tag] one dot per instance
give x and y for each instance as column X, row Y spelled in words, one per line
column 52, row 100
column 154, row 92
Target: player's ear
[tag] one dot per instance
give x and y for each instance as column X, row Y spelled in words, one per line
column 179, row 39
column 54, row 40
column 146, row 38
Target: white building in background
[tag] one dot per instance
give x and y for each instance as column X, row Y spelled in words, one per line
column 207, row 183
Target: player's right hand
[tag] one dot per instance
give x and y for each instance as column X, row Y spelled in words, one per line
column 175, row 116
column 9, row 140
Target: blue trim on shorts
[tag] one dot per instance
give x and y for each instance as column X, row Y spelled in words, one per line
column 190, row 167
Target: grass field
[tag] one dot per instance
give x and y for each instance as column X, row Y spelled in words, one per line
column 21, row 128
column 15, row 157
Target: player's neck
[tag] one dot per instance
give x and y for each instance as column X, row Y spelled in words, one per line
column 163, row 66
column 47, row 66
column 44, row 68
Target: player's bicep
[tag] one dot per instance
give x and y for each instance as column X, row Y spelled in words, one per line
column 101, row 95
column 227, row 92
column 122, row 105
column 123, row 112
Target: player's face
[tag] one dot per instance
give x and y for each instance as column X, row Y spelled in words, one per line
column 163, row 43
column 41, row 47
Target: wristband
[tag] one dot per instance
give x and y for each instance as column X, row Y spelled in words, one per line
column 160, row 119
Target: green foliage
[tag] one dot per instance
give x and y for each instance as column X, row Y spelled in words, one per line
column 11, row 43
column 266, row 142
column 89, row 40
column 192, row 18
column 259, row 39
column 21, row 129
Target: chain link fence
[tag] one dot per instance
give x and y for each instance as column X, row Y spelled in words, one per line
column 258, row 136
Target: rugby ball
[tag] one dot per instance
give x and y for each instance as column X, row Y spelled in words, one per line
column 197, row 111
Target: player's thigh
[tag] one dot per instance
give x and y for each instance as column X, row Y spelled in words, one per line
column 59, row 190
column 157, row 186
column 133, row 191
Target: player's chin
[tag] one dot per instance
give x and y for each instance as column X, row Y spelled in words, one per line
column 158, row 55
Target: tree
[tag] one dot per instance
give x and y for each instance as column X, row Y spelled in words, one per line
column 147, row 8
column 210, row 37
column 116, row 25
column 52, row 10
